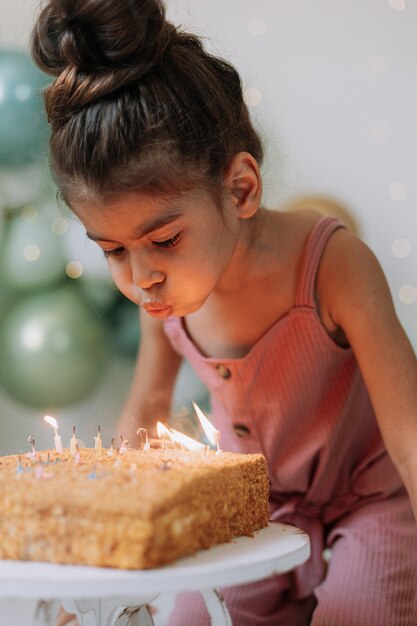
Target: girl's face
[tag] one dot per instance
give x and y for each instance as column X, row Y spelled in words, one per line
column 166, row 255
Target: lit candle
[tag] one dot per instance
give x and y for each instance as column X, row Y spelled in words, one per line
column 217, row 442
column 73, row 442
column 163, row 434
column 145, row 444
column 57, row 439
column 177, row 437
column 187, row 442
column 213, row 435
column 98, row 443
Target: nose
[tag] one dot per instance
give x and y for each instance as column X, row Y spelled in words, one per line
column 144, row 276
column 151, row 279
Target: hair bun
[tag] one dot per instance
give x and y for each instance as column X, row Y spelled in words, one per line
column 92, row 35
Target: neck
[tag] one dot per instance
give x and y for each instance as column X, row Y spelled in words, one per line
column 254, row 257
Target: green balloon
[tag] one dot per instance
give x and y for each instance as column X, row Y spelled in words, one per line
column 6, row 297
column 53, row 349
column 31, row 255
column 23, row 126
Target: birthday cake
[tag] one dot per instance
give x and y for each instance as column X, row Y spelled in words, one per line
column 139, row 510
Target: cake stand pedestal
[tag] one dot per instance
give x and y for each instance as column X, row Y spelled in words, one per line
column 100, row 596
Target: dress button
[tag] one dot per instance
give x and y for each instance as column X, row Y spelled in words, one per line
column 241, row 430
column 223, row 371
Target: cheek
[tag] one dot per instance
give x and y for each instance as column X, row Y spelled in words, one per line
column 119, row 271
column 213, row 258
column 122, row 278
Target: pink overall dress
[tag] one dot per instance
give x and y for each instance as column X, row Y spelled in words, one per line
column 300, row 399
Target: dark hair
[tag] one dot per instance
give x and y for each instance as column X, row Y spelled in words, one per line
column 137, row 104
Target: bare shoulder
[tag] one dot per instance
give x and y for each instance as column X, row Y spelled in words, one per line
column 351, row 283
column 347, row 256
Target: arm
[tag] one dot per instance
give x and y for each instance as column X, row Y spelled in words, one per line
column 357, row 300
column 157, row 366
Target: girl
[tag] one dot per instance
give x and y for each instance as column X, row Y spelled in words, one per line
column 286, row 317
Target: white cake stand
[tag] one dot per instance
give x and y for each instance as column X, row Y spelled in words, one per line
column 98, row 595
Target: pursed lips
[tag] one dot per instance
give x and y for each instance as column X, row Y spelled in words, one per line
column 157, row 309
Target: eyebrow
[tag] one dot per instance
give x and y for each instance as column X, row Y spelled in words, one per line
column 144, row 229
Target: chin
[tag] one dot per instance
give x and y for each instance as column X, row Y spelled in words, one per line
column 188, row 309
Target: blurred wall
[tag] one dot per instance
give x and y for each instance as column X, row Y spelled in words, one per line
column 16, row 17
column 333, row 86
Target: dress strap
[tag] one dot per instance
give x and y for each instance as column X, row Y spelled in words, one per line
column 312, row 254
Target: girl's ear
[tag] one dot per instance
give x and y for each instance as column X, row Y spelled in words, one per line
column 244, row 183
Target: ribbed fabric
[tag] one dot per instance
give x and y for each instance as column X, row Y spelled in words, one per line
column 300, row 399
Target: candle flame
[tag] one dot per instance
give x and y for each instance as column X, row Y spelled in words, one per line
column 211, row 432
column 176, row 436
column 163, row 432
column 186, row 441
column 51, row 421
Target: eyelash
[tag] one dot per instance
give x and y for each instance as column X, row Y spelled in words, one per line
column 168, row 243
column 115, row 252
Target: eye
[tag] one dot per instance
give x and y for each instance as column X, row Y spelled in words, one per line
column 115, row 252
column 169, row 243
